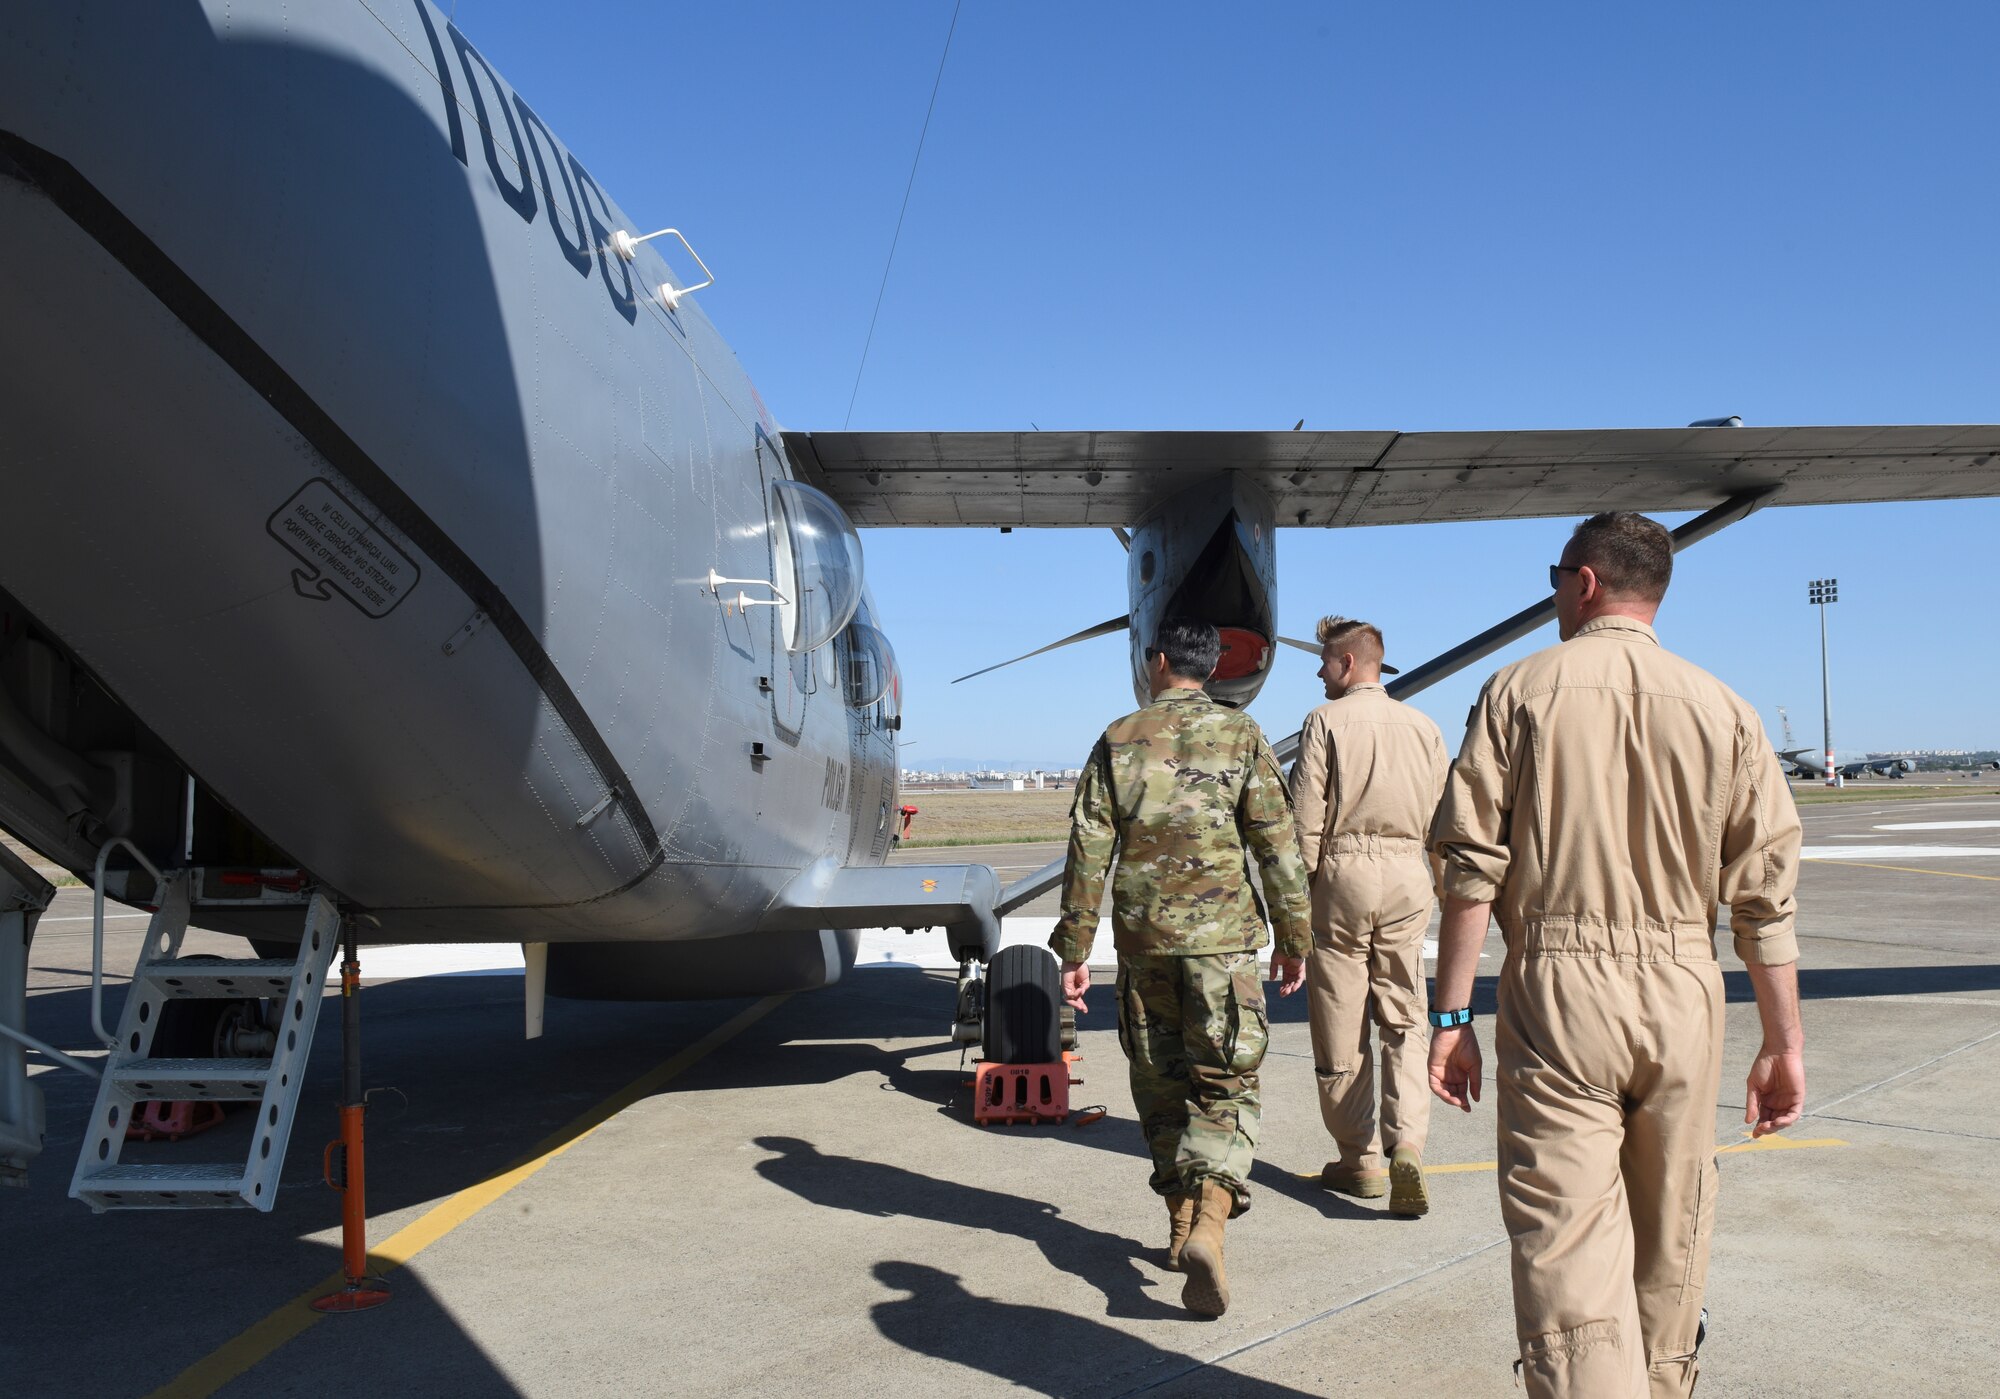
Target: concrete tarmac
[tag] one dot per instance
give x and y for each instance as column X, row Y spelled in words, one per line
column 792, row 1199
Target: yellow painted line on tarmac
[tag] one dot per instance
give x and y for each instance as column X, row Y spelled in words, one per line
column 1777, row 1142
column 1904, row 869
column 296, row 1317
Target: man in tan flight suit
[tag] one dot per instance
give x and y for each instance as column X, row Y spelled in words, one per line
column 1607, row 797
column 1365, row 787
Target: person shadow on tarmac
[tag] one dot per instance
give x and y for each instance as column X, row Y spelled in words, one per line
column 1106, row 1260
column 1039, row 1349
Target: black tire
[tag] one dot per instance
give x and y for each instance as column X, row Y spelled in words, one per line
column 1023, row 1007
column 187, row 1027
column 274, row 951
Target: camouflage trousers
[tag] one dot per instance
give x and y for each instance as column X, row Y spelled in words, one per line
column 1194, row 1029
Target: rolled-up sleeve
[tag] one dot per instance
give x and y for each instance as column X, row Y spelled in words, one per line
column 1469, row 837
column 1093, row 840
column 1308, row 786
column 1760, row 857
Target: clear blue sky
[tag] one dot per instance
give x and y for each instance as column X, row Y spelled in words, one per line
column 1383, row 216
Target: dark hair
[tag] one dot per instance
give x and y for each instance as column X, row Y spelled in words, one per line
column 1192, row 648
column 1629, row 553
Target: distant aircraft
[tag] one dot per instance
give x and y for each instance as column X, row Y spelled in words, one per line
column 1798, row 762
column 1878, row 767
column 396, row 551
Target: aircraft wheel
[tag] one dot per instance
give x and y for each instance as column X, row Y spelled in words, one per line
column 188, row 1029
column 1023, row 1007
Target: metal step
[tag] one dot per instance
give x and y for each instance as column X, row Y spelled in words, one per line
column 206, row 1185
column 177, row 1080
column 131, row 1076
column 218, row 978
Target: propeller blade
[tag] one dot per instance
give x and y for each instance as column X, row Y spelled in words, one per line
column 1312, row 648
column 1087, row 634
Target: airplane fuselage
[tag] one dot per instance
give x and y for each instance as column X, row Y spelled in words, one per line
column 351, row 470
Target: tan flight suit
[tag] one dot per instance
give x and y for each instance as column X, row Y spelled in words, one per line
column 1365, row 787
column 1608, row 796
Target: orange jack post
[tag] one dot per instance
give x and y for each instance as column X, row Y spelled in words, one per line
column 360, row 1291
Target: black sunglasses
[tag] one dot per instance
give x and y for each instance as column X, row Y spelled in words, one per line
column 1556, row 571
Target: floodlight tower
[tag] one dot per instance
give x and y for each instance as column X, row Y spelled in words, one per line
column 1823, row 593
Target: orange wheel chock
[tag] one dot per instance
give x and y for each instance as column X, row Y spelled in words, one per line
column 1022, row 1094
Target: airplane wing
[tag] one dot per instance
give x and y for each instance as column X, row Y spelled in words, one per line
column 1338, row 479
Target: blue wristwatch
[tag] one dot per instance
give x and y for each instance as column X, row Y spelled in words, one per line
column 1446, row 1019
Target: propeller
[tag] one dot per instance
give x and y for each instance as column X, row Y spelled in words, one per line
column 1087, row 634
column 1312, row 648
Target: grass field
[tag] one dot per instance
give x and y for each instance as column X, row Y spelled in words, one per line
column 1910, row 789
column 966, row 817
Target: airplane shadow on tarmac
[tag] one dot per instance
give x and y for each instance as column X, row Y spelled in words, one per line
column 1023, row 1345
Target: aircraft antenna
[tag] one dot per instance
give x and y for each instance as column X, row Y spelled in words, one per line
column 897, row 237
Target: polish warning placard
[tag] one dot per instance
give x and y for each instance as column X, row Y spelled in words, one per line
column 342, row 550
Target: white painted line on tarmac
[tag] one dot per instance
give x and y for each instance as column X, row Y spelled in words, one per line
column 1897, row 852
column 1940, row 826
column 438, row 959
column 85, row 918
column 1935, row 998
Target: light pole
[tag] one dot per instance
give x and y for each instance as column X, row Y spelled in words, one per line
column 1823, row 592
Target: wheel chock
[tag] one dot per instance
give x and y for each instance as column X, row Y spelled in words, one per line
column 1012, row 1095
column 169, row 1122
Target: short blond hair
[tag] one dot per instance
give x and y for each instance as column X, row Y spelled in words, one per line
column 1364, row 639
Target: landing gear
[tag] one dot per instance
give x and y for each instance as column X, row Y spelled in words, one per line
column 968, row 1024
column 1024, row 1074
column 221, row 1027
column 1023, row 1007
column 969, row 1013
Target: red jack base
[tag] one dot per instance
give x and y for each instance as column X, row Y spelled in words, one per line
column 358, row 1296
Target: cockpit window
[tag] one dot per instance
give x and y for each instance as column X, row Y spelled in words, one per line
column 871, row 665
column 818, row 557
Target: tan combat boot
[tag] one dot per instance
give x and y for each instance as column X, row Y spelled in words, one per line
column 1408, row 1195
column 1350, row 1180
column 1180, row 1219
column 1206, row 1292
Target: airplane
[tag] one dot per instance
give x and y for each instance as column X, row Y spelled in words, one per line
column 1878, row 767
column 395, row 552
column 1796, row 761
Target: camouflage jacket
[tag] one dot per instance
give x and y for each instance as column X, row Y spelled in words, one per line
column 1185, row 792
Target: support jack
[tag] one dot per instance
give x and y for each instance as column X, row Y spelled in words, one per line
column 360, row 1291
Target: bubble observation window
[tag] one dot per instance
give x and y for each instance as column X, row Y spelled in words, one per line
column 818, row 557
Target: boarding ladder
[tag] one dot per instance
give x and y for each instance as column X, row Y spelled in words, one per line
column 130, row 1077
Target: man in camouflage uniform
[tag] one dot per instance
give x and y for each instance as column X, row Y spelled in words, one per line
column 1186, row 792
